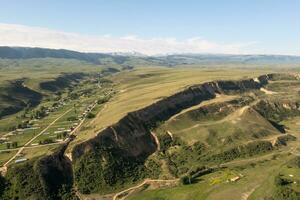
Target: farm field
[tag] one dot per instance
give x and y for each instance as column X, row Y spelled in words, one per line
column 236, row 137
column 44, row 128
column 150, row 100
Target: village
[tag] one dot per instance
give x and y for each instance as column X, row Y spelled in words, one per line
column 53, row 123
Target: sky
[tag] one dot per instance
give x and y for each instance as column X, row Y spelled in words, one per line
column 154, row 26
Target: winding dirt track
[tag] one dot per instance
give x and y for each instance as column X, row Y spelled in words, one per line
column 4, row 167
column 146, row 181
column 229, row 117
column 127, row 191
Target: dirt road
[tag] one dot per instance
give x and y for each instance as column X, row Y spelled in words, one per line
column 32, row 139
column 146, row 181
column 236, row 114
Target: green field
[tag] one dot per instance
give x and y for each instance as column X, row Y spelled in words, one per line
column 73, row 98
column 205, row 135
column 240, row 125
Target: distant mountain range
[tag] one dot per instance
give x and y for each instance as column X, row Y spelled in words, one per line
column 136, row 58
column 28, row 53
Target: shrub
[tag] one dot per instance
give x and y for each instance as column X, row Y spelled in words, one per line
column 165, row 142
column 286, row 193
column 103, row 100
column 250, row 149
column 14, row 144
column 106, row 170
column 90, row 115
column 256, row 147
column 297, row 161
column 280, row 181
column 186, row 180
column 72, row 118
column 3, row 184
column 23, row 183
column 47, row 141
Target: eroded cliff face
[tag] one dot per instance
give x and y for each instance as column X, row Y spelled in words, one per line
column 132, row 133
column 117, row 154
column 277, row 110
column 130, row 139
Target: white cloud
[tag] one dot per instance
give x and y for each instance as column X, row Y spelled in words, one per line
column 19, row 35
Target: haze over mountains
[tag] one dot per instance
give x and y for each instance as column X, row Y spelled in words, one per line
column 121, row 58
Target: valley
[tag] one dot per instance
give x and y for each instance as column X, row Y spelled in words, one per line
column 105, row 131
column 149, row 100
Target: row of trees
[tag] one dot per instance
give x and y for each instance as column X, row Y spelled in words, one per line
column 12, row 145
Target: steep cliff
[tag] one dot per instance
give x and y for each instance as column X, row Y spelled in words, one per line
column 277, row 110
column 130, row 139
column 116, row 156
column 135, row 126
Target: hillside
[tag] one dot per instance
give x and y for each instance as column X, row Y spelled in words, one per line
column 150, row 100
column 137, row 59
column 28, row 53
column 22, row 97
column 109, row 130
column 132, row 159
column 223, row 59
column 127, row 145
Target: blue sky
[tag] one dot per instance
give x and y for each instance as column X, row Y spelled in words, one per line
column 233, row 26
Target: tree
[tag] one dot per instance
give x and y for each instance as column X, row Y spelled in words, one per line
column 186, row 180
column 280, row 181
column 14, row 144
column 72, row 118
column 47, row 141
column 2, row 185
column 8, row 145
column 90, row 115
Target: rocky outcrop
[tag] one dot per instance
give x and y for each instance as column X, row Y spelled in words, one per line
column 216, row 111
column 277, row 110
column 132, row 132
column 275, row 77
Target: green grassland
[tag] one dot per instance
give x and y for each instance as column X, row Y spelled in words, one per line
column 75, row 98
column 32, row 79
column 35, row 71
column 192, row 126
column 229, row 123
column 143, row 86
column 198, row 134
column 256, row 182
column 217, row 185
